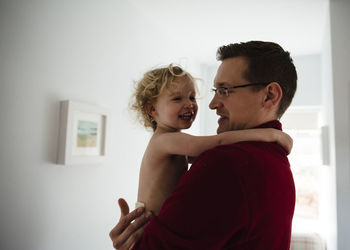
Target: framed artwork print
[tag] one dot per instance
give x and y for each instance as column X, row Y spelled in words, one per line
column 82, row 135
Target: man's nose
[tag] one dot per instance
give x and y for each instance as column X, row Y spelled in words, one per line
column 214, row 103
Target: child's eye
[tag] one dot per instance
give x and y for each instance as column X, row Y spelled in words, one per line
column 177, row 98
column 192, row 98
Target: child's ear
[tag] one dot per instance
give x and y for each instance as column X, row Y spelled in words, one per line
column 273, row 95
column 150, row 109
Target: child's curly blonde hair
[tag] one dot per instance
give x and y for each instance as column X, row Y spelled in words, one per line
column 152, row 85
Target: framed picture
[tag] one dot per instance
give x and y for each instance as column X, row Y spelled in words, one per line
column 82, row 135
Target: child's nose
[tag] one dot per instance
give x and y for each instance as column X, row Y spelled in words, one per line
column 189, row 104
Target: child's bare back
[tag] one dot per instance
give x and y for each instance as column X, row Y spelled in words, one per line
column 159, row 174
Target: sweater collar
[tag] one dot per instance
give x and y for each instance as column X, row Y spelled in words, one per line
column 271, row 124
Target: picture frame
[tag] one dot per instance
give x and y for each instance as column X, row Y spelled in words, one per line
column 82, row 133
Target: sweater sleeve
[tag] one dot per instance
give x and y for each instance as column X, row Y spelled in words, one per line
column 202, row 211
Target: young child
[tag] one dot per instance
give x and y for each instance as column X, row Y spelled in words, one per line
column 165, row 99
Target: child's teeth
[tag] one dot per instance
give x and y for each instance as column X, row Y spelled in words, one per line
column 188, row 115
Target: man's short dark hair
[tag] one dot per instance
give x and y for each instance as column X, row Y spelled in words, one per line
column 267, row 62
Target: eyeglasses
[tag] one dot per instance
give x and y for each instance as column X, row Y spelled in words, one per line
column 224, row 91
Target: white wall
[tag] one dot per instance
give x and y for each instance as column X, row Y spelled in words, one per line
column 309, row 89
column 328, row 208
column 87, row 51
column 340, row 52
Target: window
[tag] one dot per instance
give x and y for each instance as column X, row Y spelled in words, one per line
column 303, row 125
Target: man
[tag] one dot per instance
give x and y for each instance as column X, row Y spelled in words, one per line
column 238, row 196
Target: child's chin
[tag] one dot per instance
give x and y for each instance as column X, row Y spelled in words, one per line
column 187, row 126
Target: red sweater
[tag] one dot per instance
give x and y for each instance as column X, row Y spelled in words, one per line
column 238, row 196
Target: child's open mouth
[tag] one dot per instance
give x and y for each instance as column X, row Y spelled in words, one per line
column 187, row 116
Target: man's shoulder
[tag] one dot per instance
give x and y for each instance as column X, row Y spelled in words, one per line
column 238, row 147
column 241, row 153
column 227, row 152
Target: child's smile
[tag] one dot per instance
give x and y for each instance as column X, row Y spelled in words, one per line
column 188, row 116
column 177, row 108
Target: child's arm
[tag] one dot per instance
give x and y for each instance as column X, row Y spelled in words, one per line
column 184, row 144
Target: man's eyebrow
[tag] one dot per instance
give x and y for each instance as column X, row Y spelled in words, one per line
column 221, row 84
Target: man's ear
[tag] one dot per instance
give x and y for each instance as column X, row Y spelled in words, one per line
column 273, row 95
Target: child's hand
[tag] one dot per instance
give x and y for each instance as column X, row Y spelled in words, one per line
column 284, row 140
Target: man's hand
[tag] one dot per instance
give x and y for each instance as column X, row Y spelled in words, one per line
column 126, row 233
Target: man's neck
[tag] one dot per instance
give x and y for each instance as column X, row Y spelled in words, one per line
column 264, row 118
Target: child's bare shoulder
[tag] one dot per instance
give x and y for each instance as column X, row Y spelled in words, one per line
column 159, row 139
column 155, row 154
column 153, row 150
